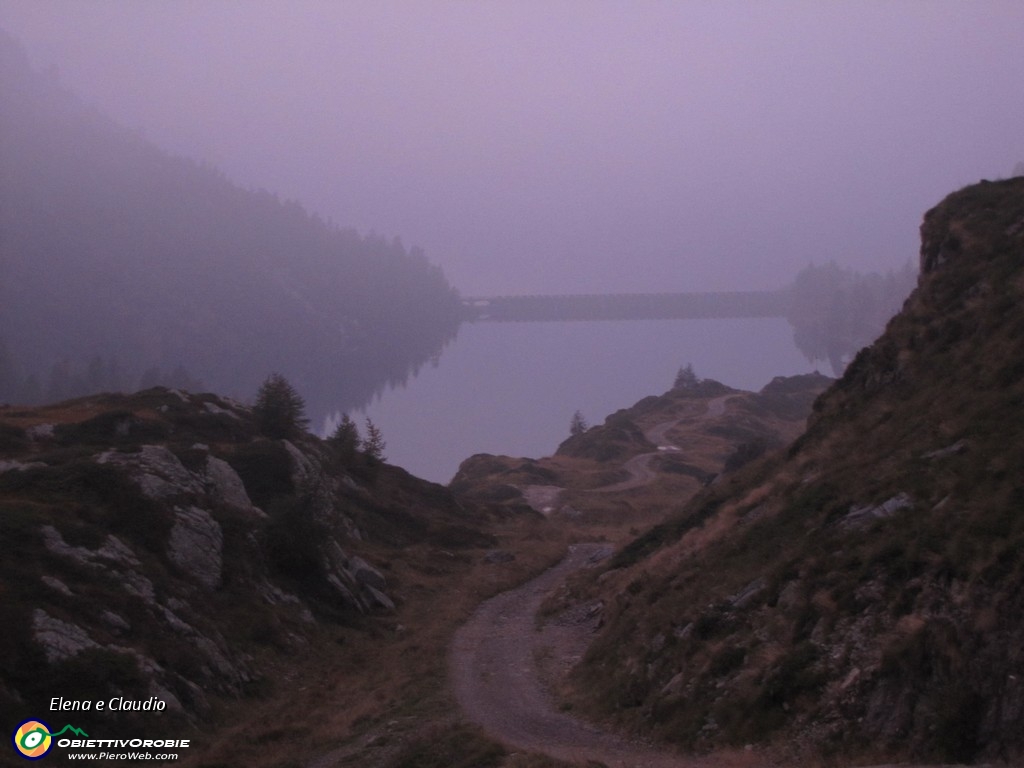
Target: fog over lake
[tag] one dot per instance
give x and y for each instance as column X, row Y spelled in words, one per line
column 565, row 147
column 512, row 388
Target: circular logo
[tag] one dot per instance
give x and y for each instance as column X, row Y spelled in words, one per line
column 32, row 739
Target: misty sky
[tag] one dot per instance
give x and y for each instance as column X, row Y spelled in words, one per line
column 571, row 146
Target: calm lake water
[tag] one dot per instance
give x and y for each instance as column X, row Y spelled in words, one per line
column 512, row 388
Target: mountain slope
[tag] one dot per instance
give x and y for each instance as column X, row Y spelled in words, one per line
column 164, row 548
column 121, row 264
column 861, row 595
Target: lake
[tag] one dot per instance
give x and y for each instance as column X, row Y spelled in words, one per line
column 512, row 388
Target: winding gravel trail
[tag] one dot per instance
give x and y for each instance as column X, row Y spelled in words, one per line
column 493, row 659
column 544, row 498
column 639, row 467
column 497, row 683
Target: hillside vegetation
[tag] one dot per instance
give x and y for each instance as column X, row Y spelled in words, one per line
column 167, row 547
column 860, row 596
column 162, row 547
column 124, row 267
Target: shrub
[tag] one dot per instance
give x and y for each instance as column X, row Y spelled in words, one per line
column 452, row 746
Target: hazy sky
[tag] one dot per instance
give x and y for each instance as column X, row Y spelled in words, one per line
column 571, row 146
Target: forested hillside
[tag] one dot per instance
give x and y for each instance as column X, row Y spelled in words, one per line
column 124, row 266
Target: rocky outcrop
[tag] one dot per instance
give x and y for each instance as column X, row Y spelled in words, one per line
column 159, row 473
column 159, row 572
column 224, row 484
column 59, row 639
column 196, row 546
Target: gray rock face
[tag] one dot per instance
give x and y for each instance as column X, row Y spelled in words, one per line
column 302, row 468
column 216, row 410
column 54, row 583
column 113, row 554
column 115, row 621
column 59, row 639
column 746, row 596
column 9, row 466
column 196, row 546
column 157, row 471
column 40, row 432
column 357, row 582
column 379, row 598
column 212, row 648
column 861, row 516
column 112, row 549
column 364, row 573
column 225, row 484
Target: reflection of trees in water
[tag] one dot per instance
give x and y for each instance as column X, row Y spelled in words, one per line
column 835, row 311
column 123, row 266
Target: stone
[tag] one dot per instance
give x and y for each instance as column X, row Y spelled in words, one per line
column 791, row 596
column 112, row 549
column 40, row 432
column 364, row 573
column 116, row 622
column 749, row 593
column 216, row 410
column 8, row 466
column 135, row 583
column 960, row 446
column 302, row 467
column 60, row 639
column 861, row 516
column 346, row 594
column 116, row 551
column 196, row 546
column 158, row 472
column 54, row 583
column 379, row 598
column 674, row 686
column 225, row 485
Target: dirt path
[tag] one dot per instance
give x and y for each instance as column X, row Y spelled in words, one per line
column 639, row 467
column 499, row 660
column 495, row 674
column 543, row 498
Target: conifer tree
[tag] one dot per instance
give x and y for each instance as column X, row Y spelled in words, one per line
column 373, row 443
column 686, row 378
column 345, row 439
column 578, row 425
column 279, row 410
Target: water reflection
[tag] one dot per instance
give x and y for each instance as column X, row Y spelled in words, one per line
column 513, row 388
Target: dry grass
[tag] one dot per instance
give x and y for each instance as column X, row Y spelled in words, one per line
column 365, row 695
column 374, row 694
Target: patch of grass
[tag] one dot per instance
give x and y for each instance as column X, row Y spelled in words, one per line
column 95, row 494
column 452, row 746
column 728, row 659
column 790, row 677
column 112, row 428
column 12, row 439
column 664, row 534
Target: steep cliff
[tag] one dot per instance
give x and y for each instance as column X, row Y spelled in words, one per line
column 861, row 595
